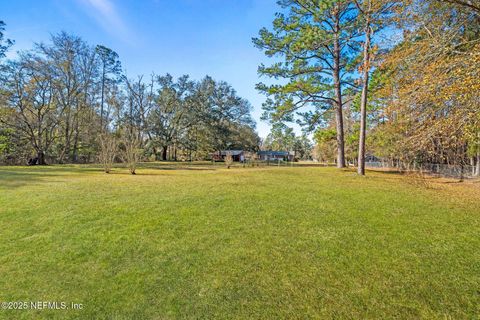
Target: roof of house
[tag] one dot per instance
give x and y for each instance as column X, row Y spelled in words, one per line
column 274, row 153
column 231, row 152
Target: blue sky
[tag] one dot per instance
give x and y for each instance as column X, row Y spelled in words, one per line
column 195, row 37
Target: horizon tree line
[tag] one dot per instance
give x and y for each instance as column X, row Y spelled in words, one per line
column 66, row 101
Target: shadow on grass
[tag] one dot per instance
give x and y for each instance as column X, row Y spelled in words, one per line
column 392, row 171
column 19, row 176
column 16, row 179
column 181, row 168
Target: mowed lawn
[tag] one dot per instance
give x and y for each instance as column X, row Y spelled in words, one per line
column 205, row 242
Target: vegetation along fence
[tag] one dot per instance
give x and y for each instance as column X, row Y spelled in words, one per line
column 444, row 170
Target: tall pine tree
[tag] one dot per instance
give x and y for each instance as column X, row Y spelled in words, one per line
column 315, row 41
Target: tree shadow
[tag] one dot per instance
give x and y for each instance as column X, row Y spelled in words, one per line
column 10, row 179
column 182, row 168
column 19, row 176
column 390, row 171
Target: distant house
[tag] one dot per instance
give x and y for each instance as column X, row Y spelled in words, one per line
column 237, row 155
column 372, row 158
column 275, row 155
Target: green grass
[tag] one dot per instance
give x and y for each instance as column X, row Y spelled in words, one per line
column 245, row 243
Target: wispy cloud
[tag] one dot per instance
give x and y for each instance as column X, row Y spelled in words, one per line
column 107, row 16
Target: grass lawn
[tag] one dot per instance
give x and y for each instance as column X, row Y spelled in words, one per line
column 245, row 243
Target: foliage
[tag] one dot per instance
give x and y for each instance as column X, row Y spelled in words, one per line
column 4, row 43
column 316, row 42
column 325, row 148
column 63, row 97
column 283, row 138
column 430, row 98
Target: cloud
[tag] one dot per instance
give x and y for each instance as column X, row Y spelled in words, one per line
column 107, row 16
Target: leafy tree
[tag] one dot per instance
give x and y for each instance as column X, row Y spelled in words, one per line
column 316, row 40
column 283, row 138
column 168, row 117
column 325, row 148
column 280, row 138
column 223, row 112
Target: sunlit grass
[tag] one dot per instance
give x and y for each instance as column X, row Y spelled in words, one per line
column 202, row 241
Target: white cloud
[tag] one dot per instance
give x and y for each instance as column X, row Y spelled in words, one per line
column 106, row 14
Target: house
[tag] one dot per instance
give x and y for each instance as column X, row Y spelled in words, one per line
column 241, row 155
column 237, row 155
column 275, row 155
column 372, row 158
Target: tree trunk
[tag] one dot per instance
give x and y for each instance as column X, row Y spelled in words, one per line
column 478, row 164
column 338, row 94
column 363, row 104
column 75, row 145
column 472, row 162
column 41, row 158
column 102, row 98
column 164, row 153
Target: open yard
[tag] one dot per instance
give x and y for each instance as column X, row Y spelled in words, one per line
column 245, row 243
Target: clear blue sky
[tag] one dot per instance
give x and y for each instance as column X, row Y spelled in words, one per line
column 195, row 37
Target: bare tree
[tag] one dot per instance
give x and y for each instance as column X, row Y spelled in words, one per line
column 108, row 151
column 32, row 109
column 131, row 148
column 228, row 160
column 62, row 58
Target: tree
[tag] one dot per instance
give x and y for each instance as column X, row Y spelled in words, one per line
column 7, row 144
column 218, row 119
column 373, row 15
column 228, row 160
column 280, row 138
column 469, row 4
column 84, row 136
column 325, row 145
column 110, row 69
column 108, row 151
column 31, row 96
column 303, row 147
column 168, row 116
column 317, row 42
column 224, row 113
column 62, row 59
column 131, row 148
column 429, row 87
column 4, row 43
column 283, row 138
